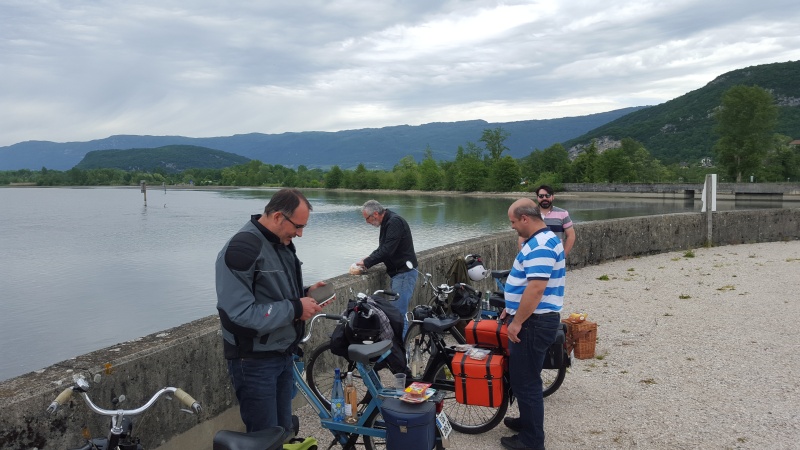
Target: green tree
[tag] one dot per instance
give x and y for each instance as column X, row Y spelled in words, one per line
column 430, row 175
column 334, row 178
column 494, row 142
column 406, row 173
column 583, row 168
column 504, row 175
column 745, row 122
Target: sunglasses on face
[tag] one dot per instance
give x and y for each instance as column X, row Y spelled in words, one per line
column 545, row 195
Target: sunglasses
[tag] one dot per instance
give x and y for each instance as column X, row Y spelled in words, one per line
column 299, row 227
column 545, row 195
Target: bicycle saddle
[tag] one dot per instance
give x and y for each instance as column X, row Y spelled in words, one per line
column 436, row 325
column 500, row 273
column 267, row 439
column 363, row 353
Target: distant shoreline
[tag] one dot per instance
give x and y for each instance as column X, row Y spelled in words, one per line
column 572, row 195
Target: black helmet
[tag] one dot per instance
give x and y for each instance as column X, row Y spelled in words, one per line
column 363, row 324
column 422, row 312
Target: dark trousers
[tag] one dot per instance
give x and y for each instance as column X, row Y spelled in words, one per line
column 526, row 358
column 263, row 387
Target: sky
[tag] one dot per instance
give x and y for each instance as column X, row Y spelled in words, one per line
column 82, row 70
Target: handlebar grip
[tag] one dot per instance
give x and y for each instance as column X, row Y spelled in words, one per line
column 62, row 398
column 187, row 400
column 334, row 317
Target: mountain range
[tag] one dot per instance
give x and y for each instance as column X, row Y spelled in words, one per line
column 679, row 130
column 376, row 148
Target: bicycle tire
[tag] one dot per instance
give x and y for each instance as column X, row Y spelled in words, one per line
column 552, row 379
column 320, row 374
column 467, row 419
column 375, row 420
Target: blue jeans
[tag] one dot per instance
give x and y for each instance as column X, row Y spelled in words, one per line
column 403, row 284
column 526, row 358
column 263, row 387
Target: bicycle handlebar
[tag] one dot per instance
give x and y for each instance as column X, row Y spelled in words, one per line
column 180, row 394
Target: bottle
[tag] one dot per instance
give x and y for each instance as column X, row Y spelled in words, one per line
column 350, row 400
column 337, row 397
column 416, row 359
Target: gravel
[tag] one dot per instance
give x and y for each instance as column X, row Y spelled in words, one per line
column 695, row 349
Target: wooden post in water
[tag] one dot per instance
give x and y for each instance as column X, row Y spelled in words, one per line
column 144, row 190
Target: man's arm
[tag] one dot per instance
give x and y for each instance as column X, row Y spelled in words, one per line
column 569, row 240
column 387, row 248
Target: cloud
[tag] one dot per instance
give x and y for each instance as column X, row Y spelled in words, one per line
column 83, row 70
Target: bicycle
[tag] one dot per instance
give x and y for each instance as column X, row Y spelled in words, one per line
column 432, row 326
column 119, row 435
column 370, row 425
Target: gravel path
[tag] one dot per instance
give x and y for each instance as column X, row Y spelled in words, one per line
column 695, row 350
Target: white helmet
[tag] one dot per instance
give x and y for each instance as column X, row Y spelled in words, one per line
column 475, row 268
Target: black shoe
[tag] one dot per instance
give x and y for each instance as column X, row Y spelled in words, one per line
column 513, row 423
column 513, row 443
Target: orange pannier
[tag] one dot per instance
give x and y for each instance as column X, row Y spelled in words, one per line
column 479, row 382
column 487, row 333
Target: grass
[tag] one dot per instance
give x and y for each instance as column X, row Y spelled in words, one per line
column 728, row 287
column 603, row 278
column 684, row 296
column 688, row 254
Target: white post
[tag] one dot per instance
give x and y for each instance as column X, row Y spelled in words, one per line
column 709, row 204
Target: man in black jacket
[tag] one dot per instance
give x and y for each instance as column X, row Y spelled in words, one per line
column 395, row 247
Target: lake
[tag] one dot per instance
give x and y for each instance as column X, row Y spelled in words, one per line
column 86, row 268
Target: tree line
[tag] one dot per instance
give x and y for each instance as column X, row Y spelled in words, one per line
column 747, row 146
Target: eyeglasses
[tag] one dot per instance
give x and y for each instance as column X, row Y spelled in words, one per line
column 545, row 195
column 299, row 227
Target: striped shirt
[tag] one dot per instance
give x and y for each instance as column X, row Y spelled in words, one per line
column 557, row 220
column 541, row 258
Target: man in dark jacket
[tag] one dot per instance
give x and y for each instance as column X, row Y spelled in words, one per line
column 262, row 307
column 395, row 248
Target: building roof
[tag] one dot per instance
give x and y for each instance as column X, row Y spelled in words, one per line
column 795, row 142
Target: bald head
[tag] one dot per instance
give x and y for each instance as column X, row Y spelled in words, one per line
column 525, row 217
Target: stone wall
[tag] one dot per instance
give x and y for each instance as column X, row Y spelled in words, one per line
column 189, row 356
column 679, row 188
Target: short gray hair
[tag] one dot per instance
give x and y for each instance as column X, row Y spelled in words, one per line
column 528, row 210
column 372, row 206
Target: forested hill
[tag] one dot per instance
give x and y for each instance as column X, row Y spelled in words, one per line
column 683, row 129
column 170, row 158
column 374, row 147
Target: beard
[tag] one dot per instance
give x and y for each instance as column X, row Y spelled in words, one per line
column 546, row 204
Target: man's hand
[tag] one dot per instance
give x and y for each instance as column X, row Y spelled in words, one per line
column 310, row 308
column 513, row 331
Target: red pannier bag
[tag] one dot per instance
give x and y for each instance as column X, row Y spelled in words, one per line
column 479, row 382
column 487, row 333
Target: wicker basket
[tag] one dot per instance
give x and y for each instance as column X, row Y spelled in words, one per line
column 581, row 338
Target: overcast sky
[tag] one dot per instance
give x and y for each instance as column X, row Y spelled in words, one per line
column 83, row 70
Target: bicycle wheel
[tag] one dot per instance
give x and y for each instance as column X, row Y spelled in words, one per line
column 426, row 347
column 468, row 419
column 552, row 379
column 320, row 374
column 375, row 420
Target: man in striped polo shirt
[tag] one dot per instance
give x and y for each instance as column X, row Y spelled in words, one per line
column 557, row 219
column 534, row 295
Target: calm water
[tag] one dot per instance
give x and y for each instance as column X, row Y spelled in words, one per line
column 82, row 269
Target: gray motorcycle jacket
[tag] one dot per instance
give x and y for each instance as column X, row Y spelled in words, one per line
column 259, row 286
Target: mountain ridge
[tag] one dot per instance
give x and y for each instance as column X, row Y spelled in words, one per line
column 376, row 148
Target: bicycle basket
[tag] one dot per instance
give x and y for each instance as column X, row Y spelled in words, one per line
column 465, row 300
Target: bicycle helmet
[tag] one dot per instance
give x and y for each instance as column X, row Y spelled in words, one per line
column 363, row 324
column 475, row 269
column 465, row 300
